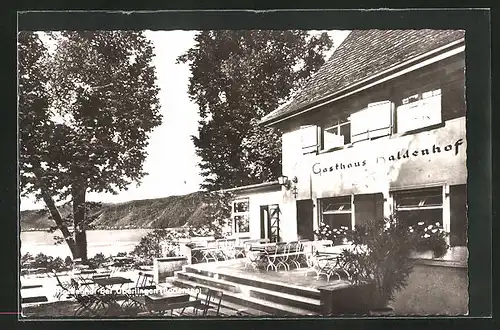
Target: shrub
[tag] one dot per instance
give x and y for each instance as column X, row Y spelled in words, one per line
column 68, row 262
column 152, row 245
column 57, row 264
column 43, row 261
column 98, row 260
column 26, row 258
column 381, row 255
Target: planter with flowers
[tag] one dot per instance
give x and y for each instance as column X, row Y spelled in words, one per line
column 338, row 236
column 430, row 240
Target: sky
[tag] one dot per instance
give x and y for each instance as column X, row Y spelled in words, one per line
column 171, row 163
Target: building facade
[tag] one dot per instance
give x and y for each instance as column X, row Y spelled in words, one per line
column 380, row 128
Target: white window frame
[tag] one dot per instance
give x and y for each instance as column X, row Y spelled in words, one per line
column 337, row 126
column 322, row 201
column 234, row 214
column 445, row 205
column 421, row 205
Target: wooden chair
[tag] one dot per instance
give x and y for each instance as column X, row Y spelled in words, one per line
column 137, row 298
column 207, row 306
column 88, row 303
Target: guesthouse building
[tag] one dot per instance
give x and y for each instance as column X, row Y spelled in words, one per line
column 379, row 128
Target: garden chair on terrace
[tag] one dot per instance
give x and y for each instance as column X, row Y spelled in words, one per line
column 273, row 256
column 295, row 254
column 209, row 306
column 137, row 299
column 88, row 303
column 283, row 256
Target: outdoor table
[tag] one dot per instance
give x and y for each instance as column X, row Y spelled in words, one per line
column 264, row 244
column 84, row 277
column 161, row 303
column 209, row 253
column 111, row 281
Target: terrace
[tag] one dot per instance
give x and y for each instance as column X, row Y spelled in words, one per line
column 257, row 279
column 247, row 288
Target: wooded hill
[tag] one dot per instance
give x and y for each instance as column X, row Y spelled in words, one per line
column 167, row 212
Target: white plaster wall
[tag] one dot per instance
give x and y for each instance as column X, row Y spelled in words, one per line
column 378, row 175
column 256, row 200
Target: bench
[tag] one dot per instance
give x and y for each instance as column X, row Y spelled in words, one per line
column 34, row 299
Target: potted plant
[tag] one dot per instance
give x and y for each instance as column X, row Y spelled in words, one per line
column 379, row 261
column 430, row 238
column 338, row 236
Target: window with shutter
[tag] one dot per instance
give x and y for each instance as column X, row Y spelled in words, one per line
column 309, row 138
column 336, row 132
column 372, row 122
column 419, row 111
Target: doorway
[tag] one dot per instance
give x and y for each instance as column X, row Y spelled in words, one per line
column 305, row 219
column 270, row 222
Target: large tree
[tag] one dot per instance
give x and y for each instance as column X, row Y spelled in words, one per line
column 236, row 78
column 85, row 113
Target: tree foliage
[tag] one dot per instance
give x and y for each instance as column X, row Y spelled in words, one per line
column 159, row 243
column 84, row 116
column 216, row 218
column 236, row 78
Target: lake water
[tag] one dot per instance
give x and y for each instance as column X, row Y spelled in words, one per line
column 108, row 242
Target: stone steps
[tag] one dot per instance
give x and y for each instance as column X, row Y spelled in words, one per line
column 245, row 300
column 258, row 283
column 290, row 299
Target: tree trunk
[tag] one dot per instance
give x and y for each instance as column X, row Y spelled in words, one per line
column 54, row 212
column 78, row 190
column 59, row 222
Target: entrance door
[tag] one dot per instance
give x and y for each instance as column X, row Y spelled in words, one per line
column 270, row 222
column 305, row 219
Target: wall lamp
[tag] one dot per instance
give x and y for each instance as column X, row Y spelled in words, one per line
column 285, row 182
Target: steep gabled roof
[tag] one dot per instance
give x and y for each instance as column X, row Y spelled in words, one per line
column 364, row 53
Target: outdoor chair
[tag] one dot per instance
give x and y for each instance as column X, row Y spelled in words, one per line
column 137, row 299
column 295, row 254
column 240, row 251
column 327, row 266
column 252, row 258
column 283, row 256
column 88, row 303
column 273, row 256
column 208, row 306
column 228, row 248
column 84, row 279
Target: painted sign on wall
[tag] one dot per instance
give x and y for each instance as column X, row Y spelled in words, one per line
column 430, row 157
